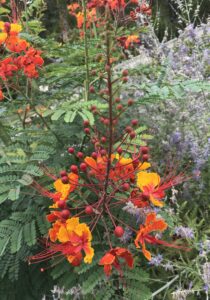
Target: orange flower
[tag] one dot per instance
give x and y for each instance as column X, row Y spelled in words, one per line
column 153, row 190
column 116, row 4
column 80, row 19
column 151, row 224
column 111, row 258
column 98, row 166
column 30, row 61
column 131, row 39
column 73, row 238
column 63, row 190
column 79, row 236
column 7, row 67
column 125, row 168
column 122, row 168
column 9, row 37
column 53, row 216
column 53, row 232
column 73, row 7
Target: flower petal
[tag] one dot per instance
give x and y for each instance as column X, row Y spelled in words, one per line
column 145, row 179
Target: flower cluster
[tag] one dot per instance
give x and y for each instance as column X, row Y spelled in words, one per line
column 22, row 57
column 113, row 180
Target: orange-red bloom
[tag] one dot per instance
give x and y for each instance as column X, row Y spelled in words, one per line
column 151, row 224
column 73, row 238
column 63, row 190
column 9, row 37
column 7, row 67
column 121, row 168
column 151, row 187
column 131, row 40
column 111, row 258
column 98, row 166
column 30, row 62
column 78, row 235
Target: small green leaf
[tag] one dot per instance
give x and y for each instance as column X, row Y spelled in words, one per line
column 57, row 114
column 14, row 193
column 26, row 179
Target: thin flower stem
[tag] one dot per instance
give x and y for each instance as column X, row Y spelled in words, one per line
column 109, row 85
column 164, row 287
column 107, row 232
column 87, row 81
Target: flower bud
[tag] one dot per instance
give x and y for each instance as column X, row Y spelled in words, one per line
column 144, row 150
column 63, row 173
column 65, row 214
column 130, row 102
column 134, row 122
column 87, row 130
column 103, row 139
column 145, row 157
column 74, row 169
column 88, row 210
column 125, row 73
column 86, row 123
column 119, row 107
column 61, row 204
column 119, row 150
column 80, row 155
column 92, row 89
column 125, row 79
column 132, row 135
column 119, row 231
column 83, row 167
column 65, row 179
column 126, row 186
column 94, row 155
column 71, row 150
column 103, row 152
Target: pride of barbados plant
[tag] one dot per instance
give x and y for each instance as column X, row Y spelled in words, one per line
column 92, row 198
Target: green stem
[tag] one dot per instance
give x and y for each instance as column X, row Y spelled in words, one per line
column 109, row 85
column 166, row 286
column 87, row 80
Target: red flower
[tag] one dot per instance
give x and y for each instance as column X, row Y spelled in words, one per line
column 30, row 61
column 152, row 187
column 7, row 67
column 1, row 95
column 111, row 258
column 152, row 224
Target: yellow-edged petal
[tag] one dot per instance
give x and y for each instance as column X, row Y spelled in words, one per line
column 144, row 166
column 55, row 205
column 146, row 253
column 155, row 201
column 89, row 251
column 62, row 188
column 147, row 179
